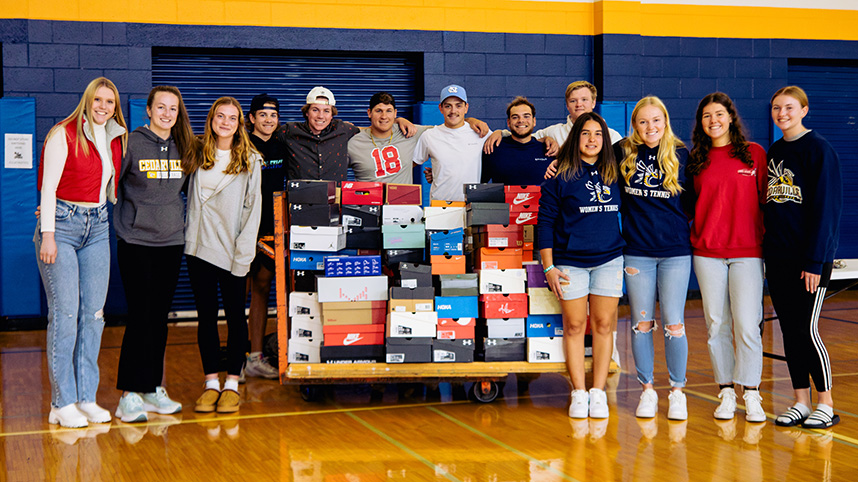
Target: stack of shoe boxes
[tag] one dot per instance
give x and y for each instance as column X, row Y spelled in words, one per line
column 403, row 232
column 315, row 230
column 353, row 312
column 457, row 305
column 544, row 321
column 362, row 202
column 411, row 320
column 445, row 224
column 305, row 337
column 523, row 204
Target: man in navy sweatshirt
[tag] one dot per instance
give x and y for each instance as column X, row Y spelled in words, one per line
column 519, row 158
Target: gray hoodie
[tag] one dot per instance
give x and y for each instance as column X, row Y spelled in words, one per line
column 150, row 210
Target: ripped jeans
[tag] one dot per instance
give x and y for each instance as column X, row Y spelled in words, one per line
column 666, row 278
column 76, row 289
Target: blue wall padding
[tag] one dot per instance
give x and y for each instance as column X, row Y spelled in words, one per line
column 19, row 275
column 136, row 114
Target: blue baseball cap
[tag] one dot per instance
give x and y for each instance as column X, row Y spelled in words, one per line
column 454, row 90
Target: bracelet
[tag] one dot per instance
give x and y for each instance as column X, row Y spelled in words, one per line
column 546, row 270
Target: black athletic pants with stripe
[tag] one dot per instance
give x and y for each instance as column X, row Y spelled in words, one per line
column 798, row 312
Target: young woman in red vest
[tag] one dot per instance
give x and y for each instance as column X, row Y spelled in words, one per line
column 77, row 174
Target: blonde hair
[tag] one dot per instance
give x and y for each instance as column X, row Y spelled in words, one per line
column 203, row 155
column 668, row 162
column 580, row 84
column 793, row 91
column 84, row 111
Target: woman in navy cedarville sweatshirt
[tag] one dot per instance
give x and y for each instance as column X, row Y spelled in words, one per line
column 802, row 219
column 579, row 230
column 657, row 256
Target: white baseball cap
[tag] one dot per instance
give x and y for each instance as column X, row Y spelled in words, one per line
column 313, row 96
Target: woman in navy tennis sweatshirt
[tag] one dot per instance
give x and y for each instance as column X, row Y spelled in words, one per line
column 658, row 251
column 802, row 219
column 579, row 231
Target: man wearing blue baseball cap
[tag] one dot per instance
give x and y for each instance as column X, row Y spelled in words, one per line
column 455, row 149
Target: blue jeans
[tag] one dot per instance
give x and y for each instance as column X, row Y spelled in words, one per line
column 76, row 288
column 732, row 292
column 668, row 278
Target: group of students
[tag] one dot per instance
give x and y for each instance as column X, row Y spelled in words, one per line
column 723, row 209
column 649, row 178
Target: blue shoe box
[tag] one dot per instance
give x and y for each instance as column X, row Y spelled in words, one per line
column 314, row 260
column 352, row 265
column 457, row 306
column 446, row 242
column 544, row 326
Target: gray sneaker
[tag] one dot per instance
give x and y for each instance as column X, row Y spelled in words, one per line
column 130, row 409
column 259, row 367
column 159, row 402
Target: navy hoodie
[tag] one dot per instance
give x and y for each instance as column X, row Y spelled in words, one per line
column 654, row 223
column 803, row 202
column 579, row 219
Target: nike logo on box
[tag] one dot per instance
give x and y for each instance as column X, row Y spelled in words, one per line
column 352, row 338
column 522, row 198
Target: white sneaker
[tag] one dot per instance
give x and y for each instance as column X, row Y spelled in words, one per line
column 94, row 413
column 677, row 410
column 159, row 402
column 598, row 403
column 578, row 408
column 130, row 409
column 727, row 409
column 754, row 406
column 648, row 406
column 68, row 416
column 259, row 367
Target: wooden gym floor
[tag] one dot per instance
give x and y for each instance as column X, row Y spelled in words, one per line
column 413, row 432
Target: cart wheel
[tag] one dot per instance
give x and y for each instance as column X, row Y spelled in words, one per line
column 485, row 392
column 309, row 393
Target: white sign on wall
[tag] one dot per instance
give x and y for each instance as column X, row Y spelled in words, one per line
column 19, row 151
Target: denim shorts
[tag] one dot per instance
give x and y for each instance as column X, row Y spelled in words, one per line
column 603, row 280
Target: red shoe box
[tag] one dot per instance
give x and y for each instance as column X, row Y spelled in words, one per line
column 348, row 335
column 362, row 193
column 512, row 305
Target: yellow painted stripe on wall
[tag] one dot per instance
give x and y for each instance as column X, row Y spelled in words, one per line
column 548, row 17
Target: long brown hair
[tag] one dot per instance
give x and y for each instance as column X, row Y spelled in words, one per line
column 203, row 154
column 698, row 159
column 569, row 163
column 183, row 134
column 668, row 162
column 83, row 111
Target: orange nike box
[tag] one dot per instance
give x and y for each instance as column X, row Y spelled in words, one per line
column 516, row 195
column 498, row 258
column 527, row 255
column 455, row 328
column 438, row 203
column 354, row 312
column 448, row 264
column 496, row 305
column 346, row 335
column 363, row 193
column 403, row 194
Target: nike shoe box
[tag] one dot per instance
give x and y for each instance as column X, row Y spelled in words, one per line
column 498, row 236
column 498, row 258
column 306, row 327
column 523, row 217
column 403, row 236
column 354, row 288
column 502, row 349
column 519, row 195
column 458, row 285
column 542, row 302
column 535, row 276
column 304, row 303
column 362, row 193
column 352, row 354
column 317, row 238
column 304, row 350
column 352, row 266
column 503, row 328
column 457, row 306
column 544, row 326
column 484, row 193
column 305, row 280
column 446, row 242
column 411, row 275
column 347, row 335
column 502, row 281
column 359, row 237
column 314, row 214
column 302, row 191
column 503, row 305
column 449, row 264
column 361, row 216
column 441, row 218
column 399, row 194
column 545, row 350
column 401, row 214
column 460, row 350
column 354, row 313
column 456, row 328
column 411, row 299
column 392, row 257
column 412, row 324
column 408, row 350
column 482, row 213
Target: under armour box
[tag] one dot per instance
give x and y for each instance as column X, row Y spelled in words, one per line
column 460, row 350
column 411, row 275
column 304, row 350
column 304, row 303
column 401, row 214
column 412, row 324
column 399, row 194
column 544, row 326
column 455, row 328
column 499, row 236
column 458, row 284
column 441, row 218
column 304, row 326
column 408, row 350
column 314, row 214
column 303, row 191
column 545, row 350
column 480, row 213
column 542, row 301
column 518, row 195
column 352, row 354
column 503, row 305
column 355, row 288
column 403, row 236
column 354, row 313
column 505, row 328
column 536, row 276
column 345, row 335
column 446, row 242
column 503, row 349
column 392, row 257
column 363, row 193
column 359, row 237
column 457, row 306
column 484, row 193
column 305, row 279
column 317, row 238
column 498, row 258
column 352, row 265
column 523, row 217
column 502, row 281
column 361, row 216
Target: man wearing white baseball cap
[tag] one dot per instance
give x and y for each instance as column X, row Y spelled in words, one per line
column 456, row 150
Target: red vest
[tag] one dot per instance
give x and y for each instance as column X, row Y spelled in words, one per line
column 81, row 179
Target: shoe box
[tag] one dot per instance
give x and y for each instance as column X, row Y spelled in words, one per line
column 502, row 349
column 408, row 350
column 352, row 288
column 362, row 193
column 456, row 328
column 502, row 281
column 399, row 194
column 406, row 324
column 544, row 326
column 545, row 350
column 354, row 312
column 460, row 350
column 317, row 238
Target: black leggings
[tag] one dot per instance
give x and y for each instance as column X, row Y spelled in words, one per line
column 149, row 275
column 205, row 278
column 798, row 312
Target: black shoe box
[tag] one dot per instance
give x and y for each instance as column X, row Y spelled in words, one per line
column 314, row 214
column 485, row 193
column 453, row 351
column 482, row 213
column 361, row 216
column 392, row 257
column 502, row 349
column 358, row 237
column 311, row 192
column 352, row 354
column 305, row 280
column 412, row 275
column 408, row 350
